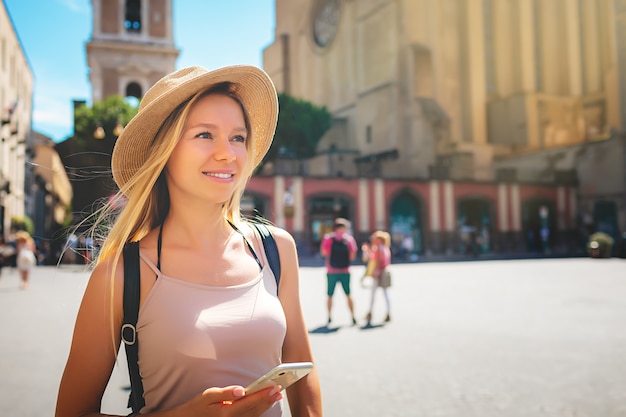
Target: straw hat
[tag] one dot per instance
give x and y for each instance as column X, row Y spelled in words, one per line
column 251, row 85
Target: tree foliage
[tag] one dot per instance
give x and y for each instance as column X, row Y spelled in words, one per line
column 106, row 114
column 301, row 125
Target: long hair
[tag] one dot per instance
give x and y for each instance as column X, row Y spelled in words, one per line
column 146, row 197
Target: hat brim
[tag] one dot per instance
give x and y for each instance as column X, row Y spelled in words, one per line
column 252, row 86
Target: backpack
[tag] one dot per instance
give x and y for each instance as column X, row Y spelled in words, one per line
column 131, row 307
column 339, row 253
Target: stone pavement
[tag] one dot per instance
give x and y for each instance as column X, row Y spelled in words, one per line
column 517, row 338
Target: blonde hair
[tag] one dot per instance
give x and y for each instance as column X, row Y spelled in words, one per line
column 382, row 235
column 22, row 236
column 146, row 195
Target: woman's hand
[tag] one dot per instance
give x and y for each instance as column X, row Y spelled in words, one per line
column 230, row 401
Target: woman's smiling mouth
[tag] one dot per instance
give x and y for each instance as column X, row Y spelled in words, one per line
column 220, row 175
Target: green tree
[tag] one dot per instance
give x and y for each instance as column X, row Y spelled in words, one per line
column 300, row 127
column 89, row 156
column 109, row 115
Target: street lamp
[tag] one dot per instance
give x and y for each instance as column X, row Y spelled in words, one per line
column 99, row 133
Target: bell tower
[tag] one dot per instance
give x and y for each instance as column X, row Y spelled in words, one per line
column 131, row 47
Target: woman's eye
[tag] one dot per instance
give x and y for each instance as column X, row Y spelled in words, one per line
column 204, row 135
column 239, row 138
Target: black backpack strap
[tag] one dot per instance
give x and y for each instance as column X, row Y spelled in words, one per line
column 129, row 331
column 271, row 250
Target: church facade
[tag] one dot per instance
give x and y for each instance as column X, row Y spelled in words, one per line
column 498, row 123
column 460, row 126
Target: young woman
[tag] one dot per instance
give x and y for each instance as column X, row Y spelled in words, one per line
column 378, row 257
column 210, row 321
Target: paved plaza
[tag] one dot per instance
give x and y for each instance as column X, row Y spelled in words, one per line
column 519, row 338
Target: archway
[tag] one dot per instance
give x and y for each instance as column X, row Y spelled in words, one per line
column 474, row 225
column 133, row 89
column 323, row 210
column 405, row 226
column 539, row 224
column 605, row 218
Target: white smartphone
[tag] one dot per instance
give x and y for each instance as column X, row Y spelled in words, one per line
column 284, row 375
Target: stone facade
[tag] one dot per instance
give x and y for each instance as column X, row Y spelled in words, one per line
column 16, row 91
column 130, row 49
column 454, row 82
column 511, row 94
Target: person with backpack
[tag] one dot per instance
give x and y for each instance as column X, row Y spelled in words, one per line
column 181, row 276
column 339, row 249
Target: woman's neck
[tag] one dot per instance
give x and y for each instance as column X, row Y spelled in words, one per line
column 196, row 224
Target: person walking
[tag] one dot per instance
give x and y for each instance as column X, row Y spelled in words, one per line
column 339, row 249
column 212, row 315
column 377, row 255
column 25, row 260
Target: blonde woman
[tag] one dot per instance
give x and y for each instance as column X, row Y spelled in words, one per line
column 211, row 319
column 378, row 257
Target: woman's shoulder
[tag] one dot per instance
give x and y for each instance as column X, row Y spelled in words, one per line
column 284, row 239
column 281, row 234
column 107, row 266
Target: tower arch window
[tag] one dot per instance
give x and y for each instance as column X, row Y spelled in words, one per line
column 132, row 16
column 133, row 89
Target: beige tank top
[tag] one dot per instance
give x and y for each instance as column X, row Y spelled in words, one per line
column 193, row 337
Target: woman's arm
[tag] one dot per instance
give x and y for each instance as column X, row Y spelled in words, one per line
column 94, row 346
column 304, row 396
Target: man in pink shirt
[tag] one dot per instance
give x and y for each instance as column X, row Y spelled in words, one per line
column 339, row 248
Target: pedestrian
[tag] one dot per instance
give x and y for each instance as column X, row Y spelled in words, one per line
column 210, row 319
column 377, row 255
column 26, row 259
column 339, row 250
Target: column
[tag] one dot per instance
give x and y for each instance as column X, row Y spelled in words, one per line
column 379, row 203
column 435, row 221
column 448, row 206
column 279, row 201
column 503, row 212
column 298, row 200
column 363, row 207
column 516, row 209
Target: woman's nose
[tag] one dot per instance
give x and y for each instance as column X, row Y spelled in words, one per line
column 224, row 150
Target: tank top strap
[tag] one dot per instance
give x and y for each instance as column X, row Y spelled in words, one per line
column 248, row 244
column 150, row 264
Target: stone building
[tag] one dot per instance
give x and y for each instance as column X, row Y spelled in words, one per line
column 16, row 90
column 456, row 118
column 131, row 48
column 458, row 125
column 50, row 194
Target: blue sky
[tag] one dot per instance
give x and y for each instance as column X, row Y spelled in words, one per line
column 53, row 33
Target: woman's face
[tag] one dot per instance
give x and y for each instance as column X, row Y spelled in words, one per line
column 211, row 155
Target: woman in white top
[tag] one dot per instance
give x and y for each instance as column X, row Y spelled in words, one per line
column 210, row 321
column 25, row 260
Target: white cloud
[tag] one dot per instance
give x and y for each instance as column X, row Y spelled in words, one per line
column 79, row 6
